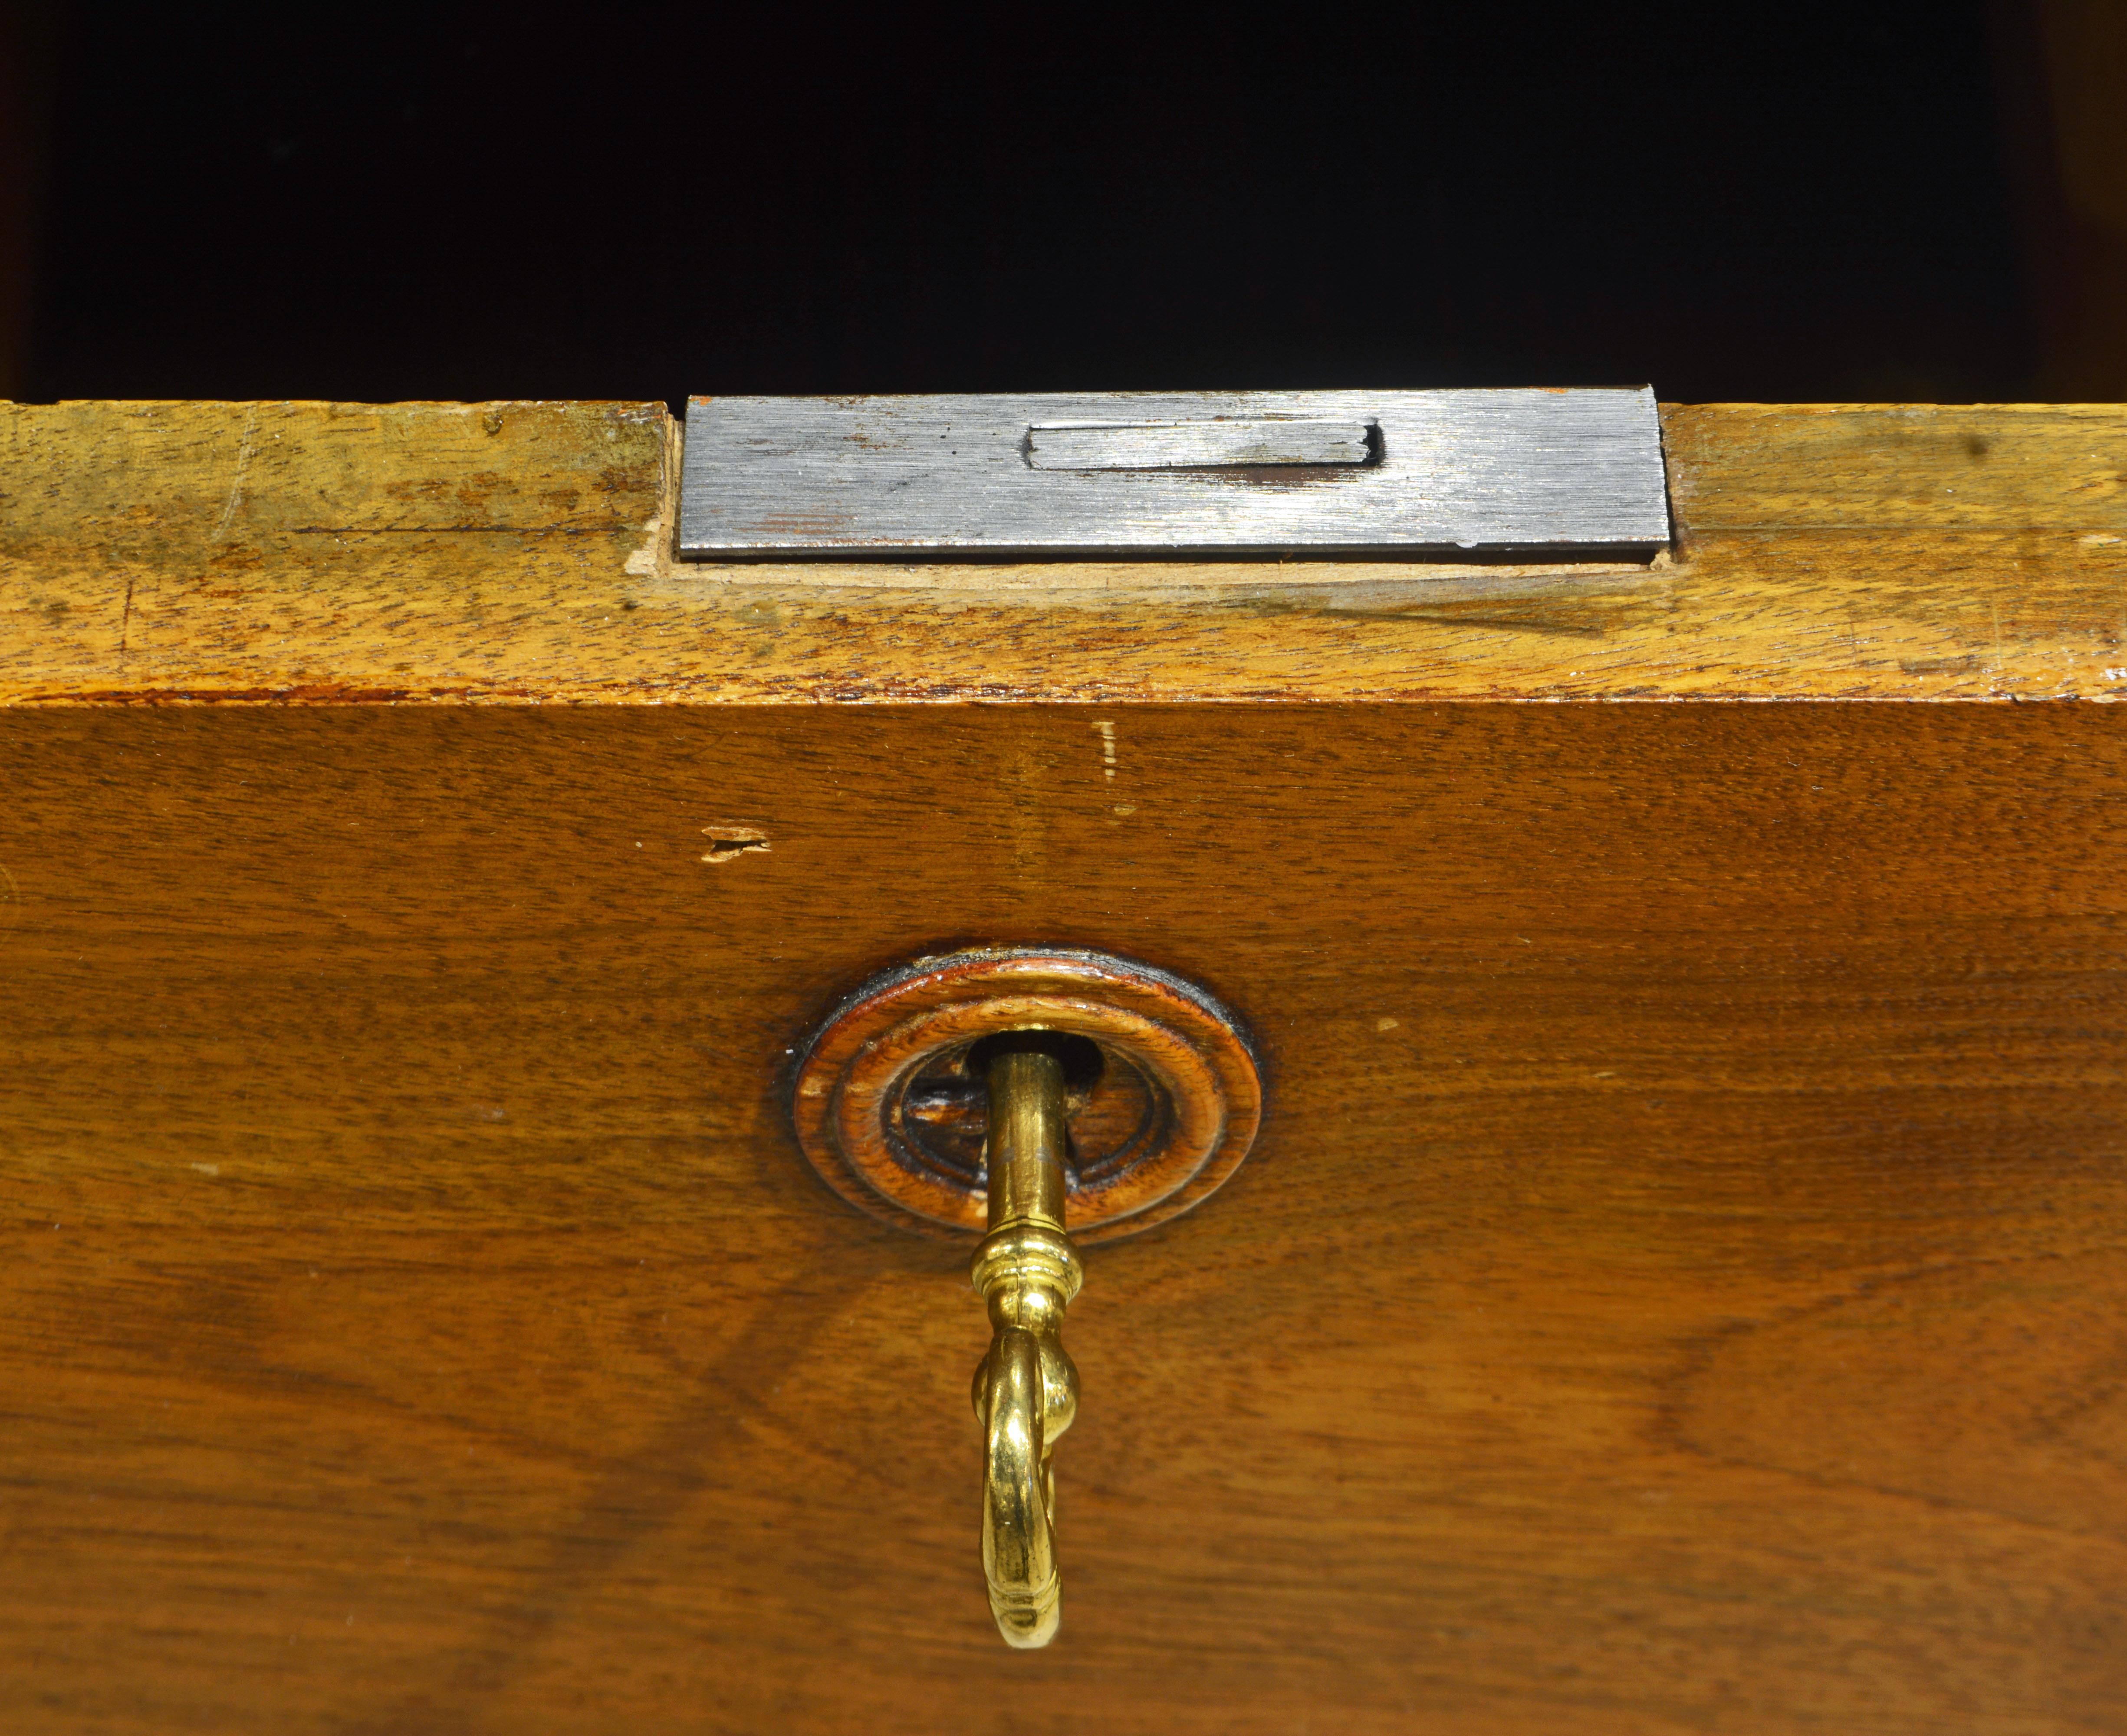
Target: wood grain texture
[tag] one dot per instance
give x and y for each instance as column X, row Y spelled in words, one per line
column 1681, row 1286
column 520, row 553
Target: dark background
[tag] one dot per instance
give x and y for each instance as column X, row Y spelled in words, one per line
column 475, row 201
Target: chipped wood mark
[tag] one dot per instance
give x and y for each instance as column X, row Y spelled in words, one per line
column 727, row 842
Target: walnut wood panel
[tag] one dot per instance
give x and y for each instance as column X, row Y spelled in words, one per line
column 1681, row 1286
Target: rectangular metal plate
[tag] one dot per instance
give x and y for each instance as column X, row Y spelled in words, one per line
column 1418, row 475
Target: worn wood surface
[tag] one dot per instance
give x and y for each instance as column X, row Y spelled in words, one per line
column 520, row 553
column 1681, row 1286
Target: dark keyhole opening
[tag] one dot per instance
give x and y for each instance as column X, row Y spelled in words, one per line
column 1081, row 1056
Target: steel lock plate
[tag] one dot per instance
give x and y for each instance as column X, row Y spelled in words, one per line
column 1402, row 475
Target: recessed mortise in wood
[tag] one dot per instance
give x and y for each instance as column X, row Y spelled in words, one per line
column 889, row 1100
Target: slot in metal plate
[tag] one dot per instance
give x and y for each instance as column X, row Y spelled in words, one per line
column 1415, row 475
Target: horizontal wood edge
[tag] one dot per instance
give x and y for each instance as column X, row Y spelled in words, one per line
column 521, row 554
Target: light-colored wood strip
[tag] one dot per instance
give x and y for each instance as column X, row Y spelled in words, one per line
column 1836, row 552
column 166, row 482
column 1787, row 468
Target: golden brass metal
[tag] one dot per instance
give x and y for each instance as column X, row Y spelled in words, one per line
column 1163, row 1100
column 1026, row 1390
